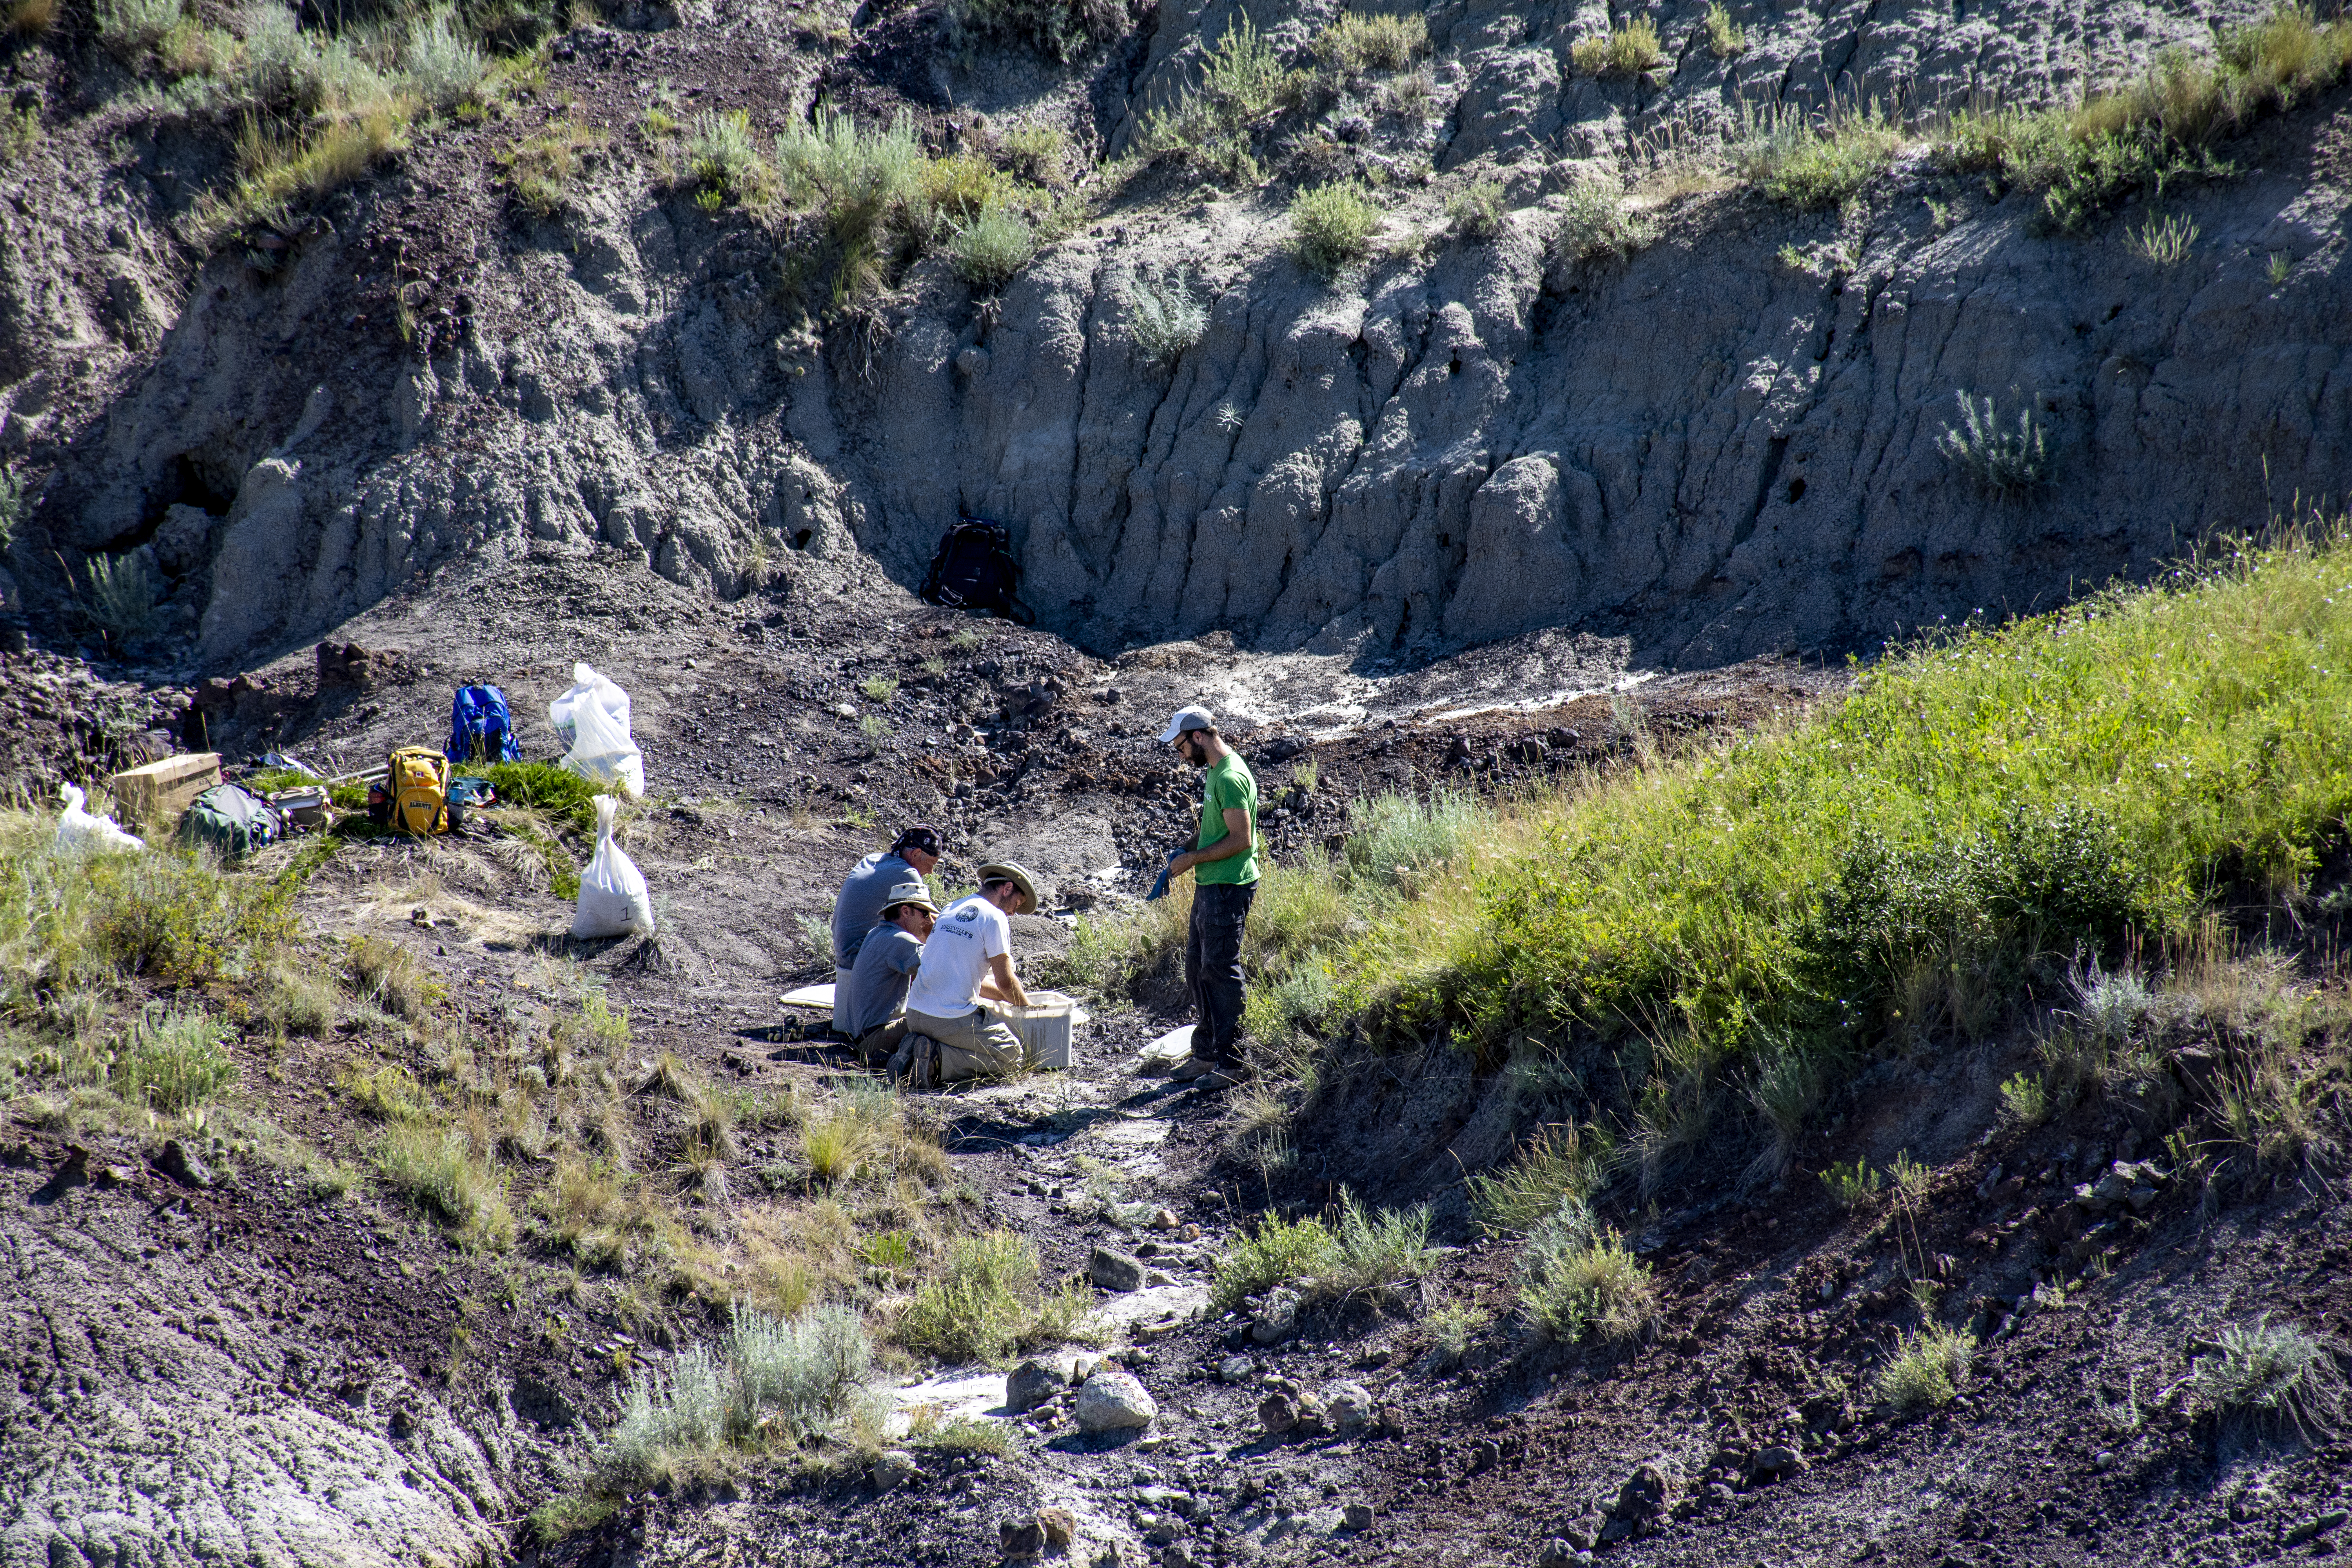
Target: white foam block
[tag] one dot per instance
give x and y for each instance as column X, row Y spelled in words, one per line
column 811, row 996
column 1172, row 1046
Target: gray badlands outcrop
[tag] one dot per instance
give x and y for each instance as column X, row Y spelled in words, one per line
column 1730, row 443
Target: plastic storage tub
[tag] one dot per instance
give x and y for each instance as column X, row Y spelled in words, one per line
column 1045, row 1027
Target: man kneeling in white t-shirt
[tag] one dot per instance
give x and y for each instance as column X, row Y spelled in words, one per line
column 967, row 960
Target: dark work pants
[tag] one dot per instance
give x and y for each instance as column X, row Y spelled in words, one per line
column 1212, row 966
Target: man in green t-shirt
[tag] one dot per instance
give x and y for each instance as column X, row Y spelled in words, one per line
column 1223, row 863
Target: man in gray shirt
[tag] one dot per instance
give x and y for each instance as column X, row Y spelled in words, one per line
column 859, row 908
column 872, row 1008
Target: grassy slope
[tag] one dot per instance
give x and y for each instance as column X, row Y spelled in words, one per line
column 2003, row 797
column 1981, row 815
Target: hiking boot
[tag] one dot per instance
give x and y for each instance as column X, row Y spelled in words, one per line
column 922, row 1068
column 1210, row 1072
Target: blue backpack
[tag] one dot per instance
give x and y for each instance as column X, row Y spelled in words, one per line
column 480, row 730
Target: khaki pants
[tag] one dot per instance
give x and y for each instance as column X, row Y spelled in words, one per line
column 975, row 1046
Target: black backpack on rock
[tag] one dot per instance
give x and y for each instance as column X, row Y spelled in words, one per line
column 974, row 570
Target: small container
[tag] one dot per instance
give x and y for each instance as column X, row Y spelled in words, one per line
column 305, row 808
column 1045, row 1027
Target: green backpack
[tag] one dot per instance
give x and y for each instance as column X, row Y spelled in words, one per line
column 232, row 821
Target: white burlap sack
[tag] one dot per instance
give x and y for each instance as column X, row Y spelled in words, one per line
column 613, row 898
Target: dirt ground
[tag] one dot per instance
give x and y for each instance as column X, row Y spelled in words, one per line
column 1742, row 1431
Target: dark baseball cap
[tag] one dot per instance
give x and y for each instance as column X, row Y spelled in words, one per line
column 918, row 836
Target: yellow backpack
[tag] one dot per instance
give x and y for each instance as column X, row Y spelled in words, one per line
column 418, row 780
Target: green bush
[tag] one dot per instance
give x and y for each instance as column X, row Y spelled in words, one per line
column 989, row 250
column 1813, row 162
column 1725, row 38
column 173, row 1061
column 442, row 67
column 122, row 598
column 11, row 508
column 132, row 27
column 434, row 1169
column 855, row 180
column 985, row 1303
column 2006, row 462
column 723, row 159
column 1926, row 1370
column 1331, row 225
column 1628, row 50
column 1554, row 1169
column 1242, row 82
column 1477, row 210
column 1358, row 42
column 1272, row 1252
column 1594, row 226
column 554, row 792
column 1577, row 1284
column 2275, row 1377
column 1163, row 319
column 1377, row 1251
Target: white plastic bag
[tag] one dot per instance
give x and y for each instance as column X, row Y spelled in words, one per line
column 594, row 720
column 613, row 900
column 587, row 687
column 80, row 833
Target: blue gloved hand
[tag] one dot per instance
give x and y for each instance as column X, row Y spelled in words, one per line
column 1160, row 888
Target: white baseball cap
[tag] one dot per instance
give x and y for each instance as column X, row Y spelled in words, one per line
column 1188, row 719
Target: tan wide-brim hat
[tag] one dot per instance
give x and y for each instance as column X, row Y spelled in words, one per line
column 906, row 893
column 1018, row 875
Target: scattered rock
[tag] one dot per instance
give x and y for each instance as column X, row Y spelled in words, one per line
column 1112, row 1402
column 1485, row 1455
column 1556, row 1553
column 893, row 1470
column 182, row 1166
column 1032, row 1384
column 2320, row 1525
column 1349, row 1405
column 1176, row 1556
column 1775, row 1463
column 1276, row 1414
column 1168, row 1499
column 1114, row 1270
column 1356, row 1516
column 1391, row 1421
column 1641, row 1502
column 1274, row 1317
column 1582, row 1532
column 1236, row 1369
column 1061, row 1528
column 1020, row 1540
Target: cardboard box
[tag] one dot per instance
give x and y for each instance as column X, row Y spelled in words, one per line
column 160, row 792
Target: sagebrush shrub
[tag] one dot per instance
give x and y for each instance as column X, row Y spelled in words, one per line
column 992, row 248
column 1164, row 317
column 2007, row 462
column 1577, row 1284
column 1594, row 225
column 1477, row 210
column 2276, row 1376
column 1361, row 42
column 1925, row 1372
